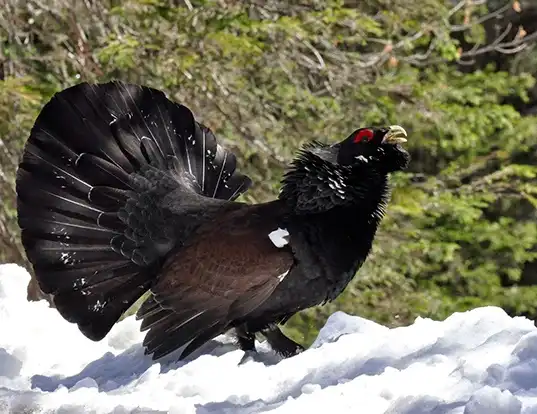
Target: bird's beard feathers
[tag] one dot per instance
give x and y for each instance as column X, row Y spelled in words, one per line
column 315, row 183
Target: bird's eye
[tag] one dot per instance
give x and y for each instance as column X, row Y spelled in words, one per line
column 363, row 135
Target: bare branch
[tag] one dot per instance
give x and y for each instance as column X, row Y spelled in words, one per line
column 501, row 44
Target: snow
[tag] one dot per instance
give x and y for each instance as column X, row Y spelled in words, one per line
column 477, row 362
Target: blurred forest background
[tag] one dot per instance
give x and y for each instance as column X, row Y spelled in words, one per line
column 269, row 75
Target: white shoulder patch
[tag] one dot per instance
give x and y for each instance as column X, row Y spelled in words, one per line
column 279, row 237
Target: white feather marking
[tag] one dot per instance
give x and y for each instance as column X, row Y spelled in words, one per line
column 187, row 155
column 64, row 257
column 99, row 305
column 79, row 157
column 143, row 118
column 99, row 219
column 74, row 202
column 220, row 175
column 203, row 164
column 282, row 276
column 279, row 237
column 167, row 130
column 65, row 172
column 239, row 188
column 79, row 226
column 188, row 320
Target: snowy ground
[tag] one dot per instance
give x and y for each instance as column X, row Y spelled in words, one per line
column 478, row 362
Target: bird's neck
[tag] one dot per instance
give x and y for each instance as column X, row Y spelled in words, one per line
column 314, row 185
column 352, row 223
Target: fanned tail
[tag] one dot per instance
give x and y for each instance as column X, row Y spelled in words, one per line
column 98, row 160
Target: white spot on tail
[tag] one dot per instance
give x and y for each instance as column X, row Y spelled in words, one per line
column 279, row 237
column 64, row 257
column 98, row 306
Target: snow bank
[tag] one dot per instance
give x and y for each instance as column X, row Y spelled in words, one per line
column 477, row 362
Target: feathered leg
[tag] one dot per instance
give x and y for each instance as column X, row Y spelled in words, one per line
column 280, row 343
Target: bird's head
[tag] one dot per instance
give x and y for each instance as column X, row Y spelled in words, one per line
column 378, row 146
column 349, row 172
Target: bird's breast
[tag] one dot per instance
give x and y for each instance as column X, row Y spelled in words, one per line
column 328, row 252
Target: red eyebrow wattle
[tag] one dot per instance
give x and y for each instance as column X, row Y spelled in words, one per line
column 363, row 133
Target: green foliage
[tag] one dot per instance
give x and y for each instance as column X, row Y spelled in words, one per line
column 461, row 227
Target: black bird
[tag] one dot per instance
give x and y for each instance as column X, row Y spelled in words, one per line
column 121, row 192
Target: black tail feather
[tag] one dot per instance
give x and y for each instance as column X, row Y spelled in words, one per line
column 98, row 312
column 97, row 161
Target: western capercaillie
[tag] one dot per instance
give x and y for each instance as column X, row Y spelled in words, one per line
column 120, row 192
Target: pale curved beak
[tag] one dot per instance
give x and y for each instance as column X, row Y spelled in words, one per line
column 396, row 135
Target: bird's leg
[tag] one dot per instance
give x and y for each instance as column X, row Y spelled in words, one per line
column 280, row 343
column 246, row 342
column 245, row 338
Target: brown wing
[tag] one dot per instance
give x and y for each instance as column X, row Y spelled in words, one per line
column 227, row 271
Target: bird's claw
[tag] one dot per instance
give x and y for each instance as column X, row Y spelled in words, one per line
column 249, row 356
column 290, row 351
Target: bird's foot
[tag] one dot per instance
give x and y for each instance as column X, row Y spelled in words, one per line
column 246, row 342
column 288, row 350
column 280, row 343
column 249, row 356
